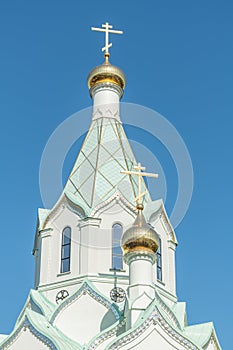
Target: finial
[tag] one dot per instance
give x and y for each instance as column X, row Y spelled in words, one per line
column 140, row 175
column 107, row 28
column 140, row 206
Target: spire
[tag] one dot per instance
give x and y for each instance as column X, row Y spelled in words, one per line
column 97, row 174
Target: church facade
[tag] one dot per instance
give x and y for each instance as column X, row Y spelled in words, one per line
column 105, row 253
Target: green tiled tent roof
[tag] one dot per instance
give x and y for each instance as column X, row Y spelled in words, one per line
column 96, row 175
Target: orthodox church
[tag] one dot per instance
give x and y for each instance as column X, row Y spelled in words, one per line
column 105, row 253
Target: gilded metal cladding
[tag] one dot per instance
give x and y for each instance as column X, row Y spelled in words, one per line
column 140, row 237
column 106, row 73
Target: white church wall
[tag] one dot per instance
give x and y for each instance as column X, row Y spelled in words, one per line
column 37, row 257
column 153, row 338
column 171, row 267
column 27, row 341
column 168, row 258
column 113, row 214
column 51, row 237
column 103, row 283
column 105, row 101
column 91, row 244
column 91, row 251
column 84, row 318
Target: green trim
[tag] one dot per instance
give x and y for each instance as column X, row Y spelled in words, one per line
column 42, row 330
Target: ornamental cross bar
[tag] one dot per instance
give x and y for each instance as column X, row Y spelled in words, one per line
column 138, row 172
column 107, row 28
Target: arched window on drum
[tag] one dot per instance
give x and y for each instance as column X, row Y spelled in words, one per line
column 117, row 231
column 65, row 249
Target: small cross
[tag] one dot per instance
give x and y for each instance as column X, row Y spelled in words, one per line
column 140, row 175
column 107, row 28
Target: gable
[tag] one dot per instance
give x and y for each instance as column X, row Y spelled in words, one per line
column 26, row 339
column 84, row 318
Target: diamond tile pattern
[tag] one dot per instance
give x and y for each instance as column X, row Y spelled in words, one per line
column 96, row 174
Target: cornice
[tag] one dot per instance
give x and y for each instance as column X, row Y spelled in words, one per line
column 89, row 221
column 212, row 340
column 63, row 202
column 155, row 318
column 106, row 86
column 167, row 310
column 140, row 255
column 167, row 226
column 26, row 324
column 103, row 336
column 160, row 214
column 119, row 198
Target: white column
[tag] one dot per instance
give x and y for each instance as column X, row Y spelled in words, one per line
column 45, row 258
column 172, row 270
column 141, row 275
column 106, row 98
column 140, row 291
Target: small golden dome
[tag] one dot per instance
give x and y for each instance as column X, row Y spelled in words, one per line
column 140, row 237
column 106, row 73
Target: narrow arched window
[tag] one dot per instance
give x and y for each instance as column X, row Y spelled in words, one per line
column 65, row 249
column 116, row 246
column 159, row 262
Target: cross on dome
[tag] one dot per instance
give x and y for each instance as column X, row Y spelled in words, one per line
column 107, row 28
column 138, row 172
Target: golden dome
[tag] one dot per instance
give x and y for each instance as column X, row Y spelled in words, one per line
column 140, row 237
column 106, row 73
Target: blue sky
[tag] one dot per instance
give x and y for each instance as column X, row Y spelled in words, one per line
column 177, row 56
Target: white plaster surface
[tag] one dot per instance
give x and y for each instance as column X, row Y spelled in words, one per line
column 27, row 341
column 84, row 319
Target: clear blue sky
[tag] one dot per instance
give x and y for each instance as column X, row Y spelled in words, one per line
column 177, row 56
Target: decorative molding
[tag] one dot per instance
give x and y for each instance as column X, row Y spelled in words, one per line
column 175, row 335
column 85, row 289
column 154, row 318
column 63, row 273
column 167, row 226
column 155, row 215
column 160, row 214
column 106, row 86
column 62, row 203
column 104, row 336
column 89, row 221
column 140, row 255
column 172, row 245
column 167, row 310
column 45, row 233
column 23, row 327
column 119, row 198
column 213, row 341
column 76, row 209
column 106, row 111
column 35, row 307
column 135, row 332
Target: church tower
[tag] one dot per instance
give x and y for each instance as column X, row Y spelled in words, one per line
column 105, row 253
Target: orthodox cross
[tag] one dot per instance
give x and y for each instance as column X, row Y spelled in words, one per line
column 138, row 172
column 107, row 28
